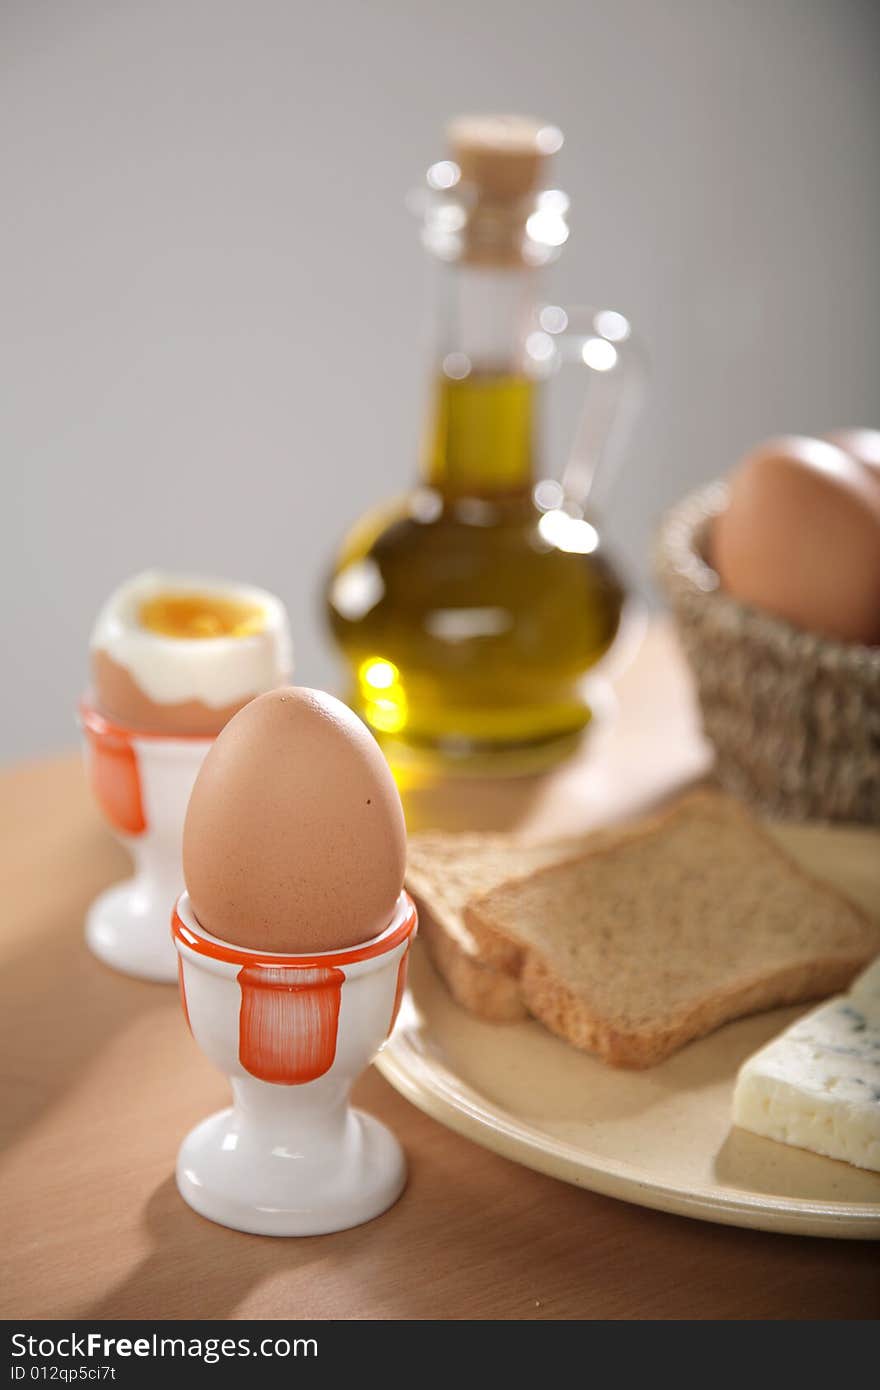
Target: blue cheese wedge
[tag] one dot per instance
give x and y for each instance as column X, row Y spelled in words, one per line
column 817, row 1086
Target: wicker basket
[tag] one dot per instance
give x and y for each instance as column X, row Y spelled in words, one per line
column 794, row 717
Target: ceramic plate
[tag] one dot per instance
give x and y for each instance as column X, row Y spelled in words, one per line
column 661, row 1138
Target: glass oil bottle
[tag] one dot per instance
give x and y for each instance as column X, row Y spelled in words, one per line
column 470, row 611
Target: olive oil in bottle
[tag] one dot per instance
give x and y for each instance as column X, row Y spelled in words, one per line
column 470, row 611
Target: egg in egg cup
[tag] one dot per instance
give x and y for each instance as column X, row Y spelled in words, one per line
column 173, row 658
column 291, row 1156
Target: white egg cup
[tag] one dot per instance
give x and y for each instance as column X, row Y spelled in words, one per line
column 291, row 1157
column 142, row 784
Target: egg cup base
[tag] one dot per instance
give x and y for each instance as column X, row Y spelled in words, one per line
column 127, row 932
column 251, row 1186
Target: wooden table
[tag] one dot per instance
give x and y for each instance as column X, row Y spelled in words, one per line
column 101, row 1081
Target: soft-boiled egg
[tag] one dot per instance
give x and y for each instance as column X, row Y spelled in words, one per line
column 176, row 654
column 800, row 538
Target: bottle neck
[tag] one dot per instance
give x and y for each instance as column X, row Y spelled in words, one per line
column 481, row 432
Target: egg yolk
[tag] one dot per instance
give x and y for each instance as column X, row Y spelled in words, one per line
column 200, row 616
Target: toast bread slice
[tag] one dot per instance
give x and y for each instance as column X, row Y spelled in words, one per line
column 633, row 948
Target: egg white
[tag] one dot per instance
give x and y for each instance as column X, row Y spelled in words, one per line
column 217, row 671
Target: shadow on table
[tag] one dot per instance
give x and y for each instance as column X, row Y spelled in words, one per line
column 197, row 1260
column 59, row 1007
column 566, row 1254
column 197, row 1269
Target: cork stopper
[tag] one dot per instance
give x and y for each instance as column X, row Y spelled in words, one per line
column 503, row 163
column 503, row 157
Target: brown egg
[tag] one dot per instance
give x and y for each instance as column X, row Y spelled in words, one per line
column 294, row 838
column 861, row 444
column 800, row 538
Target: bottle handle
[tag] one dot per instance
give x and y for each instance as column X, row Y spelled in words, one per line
column 602, row 342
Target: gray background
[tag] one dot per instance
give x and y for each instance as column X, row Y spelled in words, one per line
column 212, row 322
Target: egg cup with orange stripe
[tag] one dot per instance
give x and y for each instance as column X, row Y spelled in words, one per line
column 291, row 1157
column 142, row 784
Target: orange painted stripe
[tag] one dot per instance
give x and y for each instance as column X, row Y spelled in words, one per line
column 235, row 955
column 288, row 1022
column 116, row 781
